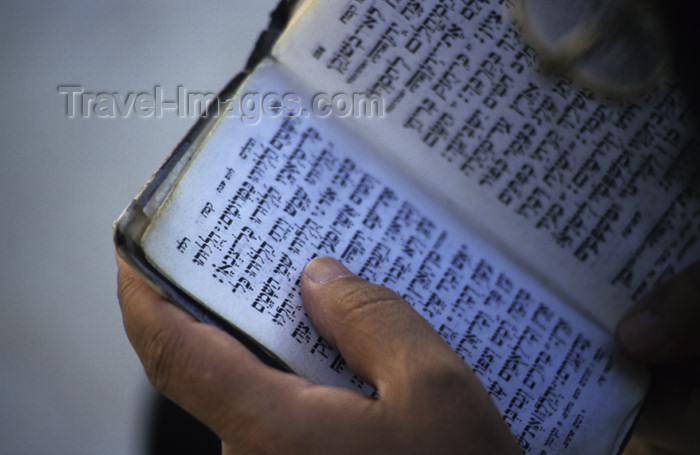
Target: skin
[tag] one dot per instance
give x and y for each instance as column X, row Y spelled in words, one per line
column 430, row 401
column 663, row 330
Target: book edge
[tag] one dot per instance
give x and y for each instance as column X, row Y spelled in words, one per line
column 132, row 223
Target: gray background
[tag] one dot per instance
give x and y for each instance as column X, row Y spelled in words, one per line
column 69, row 381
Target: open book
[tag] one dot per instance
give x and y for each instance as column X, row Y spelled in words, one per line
column 417, row 143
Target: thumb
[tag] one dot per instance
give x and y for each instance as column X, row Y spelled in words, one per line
column 665, row 325
column 383, row 340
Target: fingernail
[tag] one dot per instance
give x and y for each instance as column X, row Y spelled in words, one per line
column 642, row 333
column 325, row 269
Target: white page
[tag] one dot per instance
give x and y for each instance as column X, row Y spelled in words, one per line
column 600, row 198
column 257, row 202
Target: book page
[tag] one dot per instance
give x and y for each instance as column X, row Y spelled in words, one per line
column 259, row 200
column 600, row 198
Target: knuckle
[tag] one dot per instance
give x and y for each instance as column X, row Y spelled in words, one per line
column 369, row 298
column 158, row 356
column 446, row 374
column 447, row 382
column 127, row 287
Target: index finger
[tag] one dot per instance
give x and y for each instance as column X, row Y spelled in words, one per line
column 665, row 325
column 198, row 366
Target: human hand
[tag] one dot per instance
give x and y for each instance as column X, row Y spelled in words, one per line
column 664, row 330
column 430, row 401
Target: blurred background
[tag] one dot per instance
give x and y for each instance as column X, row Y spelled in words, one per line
column 69, row 381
